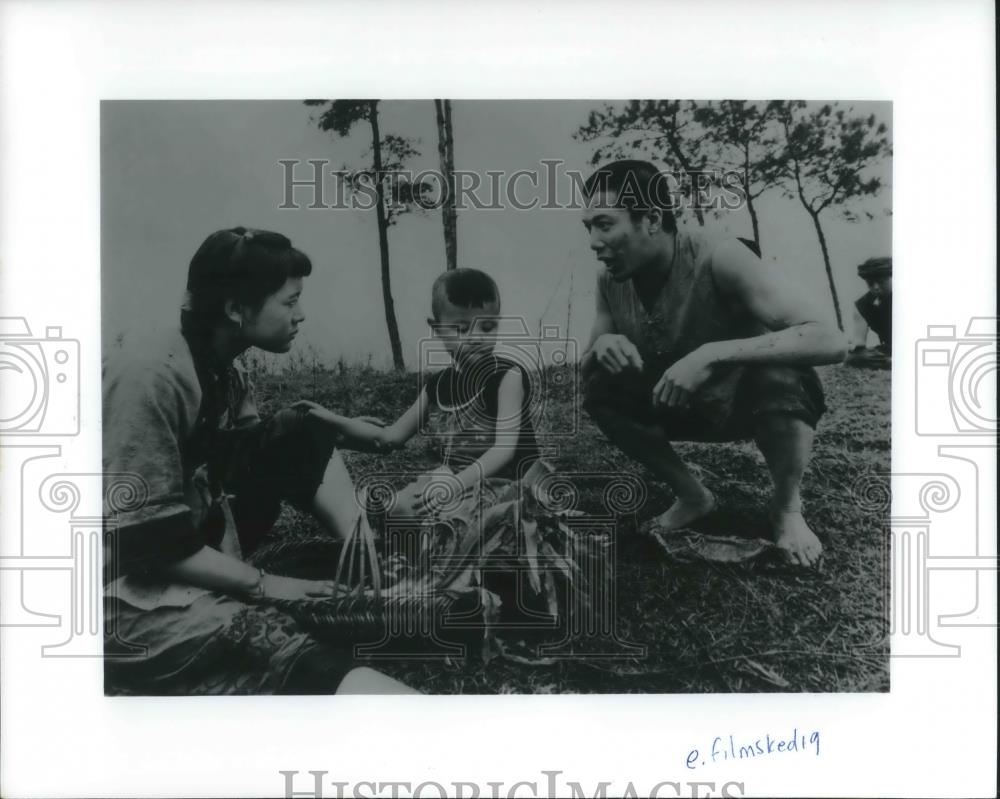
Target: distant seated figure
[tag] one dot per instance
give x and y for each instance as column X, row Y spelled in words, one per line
column 873, row 311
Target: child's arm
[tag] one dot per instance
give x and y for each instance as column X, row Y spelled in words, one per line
column 360, row 433
column 406, row 426
column 509, row 411
column 364, row 434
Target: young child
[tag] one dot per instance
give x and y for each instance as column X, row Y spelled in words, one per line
column 484, row 397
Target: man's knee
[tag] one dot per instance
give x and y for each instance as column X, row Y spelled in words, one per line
column 786, row 390
column 773, row 379
column 628, row 393
column 595, row 389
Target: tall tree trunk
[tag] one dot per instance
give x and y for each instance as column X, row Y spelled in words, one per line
column 383, row 240
column 829, row 270
column 569, row 314
column 753, row 221
column 750, row 207
column 446, row 151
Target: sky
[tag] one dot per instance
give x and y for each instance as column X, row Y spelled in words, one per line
column 172, row 172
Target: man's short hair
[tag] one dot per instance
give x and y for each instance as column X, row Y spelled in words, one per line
column 637, row 186
column 463, row 288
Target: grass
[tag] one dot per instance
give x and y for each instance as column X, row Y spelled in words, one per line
column 705, row 627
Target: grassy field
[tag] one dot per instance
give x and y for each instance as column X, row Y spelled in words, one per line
column 705, row 627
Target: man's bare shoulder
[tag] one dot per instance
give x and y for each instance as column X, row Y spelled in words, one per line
column 731, row 260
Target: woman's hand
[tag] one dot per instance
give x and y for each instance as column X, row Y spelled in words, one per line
column 278, row 587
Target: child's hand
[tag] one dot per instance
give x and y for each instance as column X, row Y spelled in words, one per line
column 384, row 440
column 365, row 436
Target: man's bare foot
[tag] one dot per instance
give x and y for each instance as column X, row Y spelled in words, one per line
column 683, row 512
column 793, row 536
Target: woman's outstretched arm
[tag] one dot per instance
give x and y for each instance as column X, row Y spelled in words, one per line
column 365, row 434
column 216, row 571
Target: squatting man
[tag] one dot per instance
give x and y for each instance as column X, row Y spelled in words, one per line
column 696, row 338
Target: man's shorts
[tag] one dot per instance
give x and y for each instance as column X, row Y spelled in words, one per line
column 726, row 408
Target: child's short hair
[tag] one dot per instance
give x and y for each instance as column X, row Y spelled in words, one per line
column 464, row 288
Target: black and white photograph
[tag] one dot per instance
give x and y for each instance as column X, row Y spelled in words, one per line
column 456, row 396
column 498, row 401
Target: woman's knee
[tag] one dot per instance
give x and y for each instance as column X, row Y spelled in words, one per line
column 363, row 680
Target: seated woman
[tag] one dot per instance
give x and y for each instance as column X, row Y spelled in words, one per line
column 184, row 613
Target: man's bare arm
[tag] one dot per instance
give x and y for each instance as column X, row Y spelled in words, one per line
column 798, row 336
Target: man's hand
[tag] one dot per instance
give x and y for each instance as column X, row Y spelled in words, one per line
column 681, row 380
column 616, row 353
